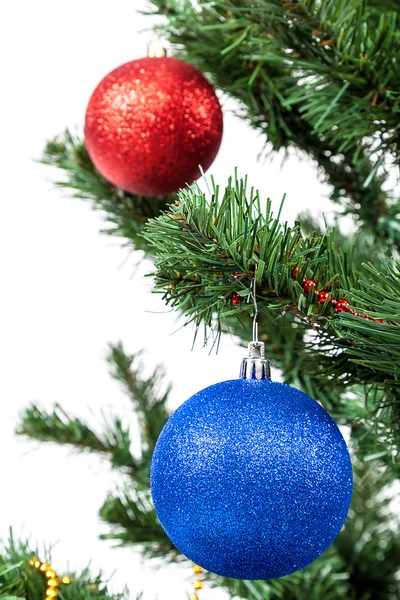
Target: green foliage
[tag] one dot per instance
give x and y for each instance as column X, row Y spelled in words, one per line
column 131, row 518
column 128, row 511
column 148, row 399
column 19, row 581
column 126, row 213
column 363, row 561
column 58, row 425
column 322, row 77
column 206, row 249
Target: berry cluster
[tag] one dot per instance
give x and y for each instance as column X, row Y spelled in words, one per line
column 323, row 296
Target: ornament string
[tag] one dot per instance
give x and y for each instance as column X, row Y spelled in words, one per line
column 204, row 178
column 156, row 47
column 53, row 581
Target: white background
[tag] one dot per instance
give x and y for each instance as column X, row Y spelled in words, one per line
column 67, row 290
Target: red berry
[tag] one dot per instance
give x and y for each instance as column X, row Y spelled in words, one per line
column 323, row 296
column 235, row 298
column 342, row 306
column 308, row 284
column 295, row 272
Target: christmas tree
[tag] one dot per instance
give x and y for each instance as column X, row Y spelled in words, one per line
column 318, row 78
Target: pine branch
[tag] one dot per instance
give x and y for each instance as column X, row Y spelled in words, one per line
column 149, row 406
column 208, row 249
column 60, row 428
column 319, row 76
column 133, row 521
column 131, row 515
column 145, row 393
column 18, row 580
column 376, row 345
column 326, row 578
column 307, row 372
column 125, row 212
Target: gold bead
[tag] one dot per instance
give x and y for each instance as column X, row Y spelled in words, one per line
column 198, row 585
column 66, row 579
column 197, row 569
column 43, row 567
column 37, row 564
column 52, row 583
column 50, row 593
column 194, row 597
column 50, row 573
column 32, row 562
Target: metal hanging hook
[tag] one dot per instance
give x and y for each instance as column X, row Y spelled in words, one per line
column 156, row 49
column 255, row 366
column 255, row 319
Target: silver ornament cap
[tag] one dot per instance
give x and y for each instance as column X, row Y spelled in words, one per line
column 255, row 366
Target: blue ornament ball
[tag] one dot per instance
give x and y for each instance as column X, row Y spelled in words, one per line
column 251, row 479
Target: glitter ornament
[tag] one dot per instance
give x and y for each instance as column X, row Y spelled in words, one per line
column 250, row 478
column 150, row 123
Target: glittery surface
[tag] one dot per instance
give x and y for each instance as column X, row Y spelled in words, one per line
column 251, row 479
column 150, row 123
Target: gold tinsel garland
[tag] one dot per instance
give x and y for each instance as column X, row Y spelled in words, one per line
column 52, row 580
column 198, row 583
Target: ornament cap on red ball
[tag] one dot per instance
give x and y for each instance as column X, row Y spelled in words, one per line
column 150, row 123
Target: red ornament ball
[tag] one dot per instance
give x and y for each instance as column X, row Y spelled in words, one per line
column 150, row 123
